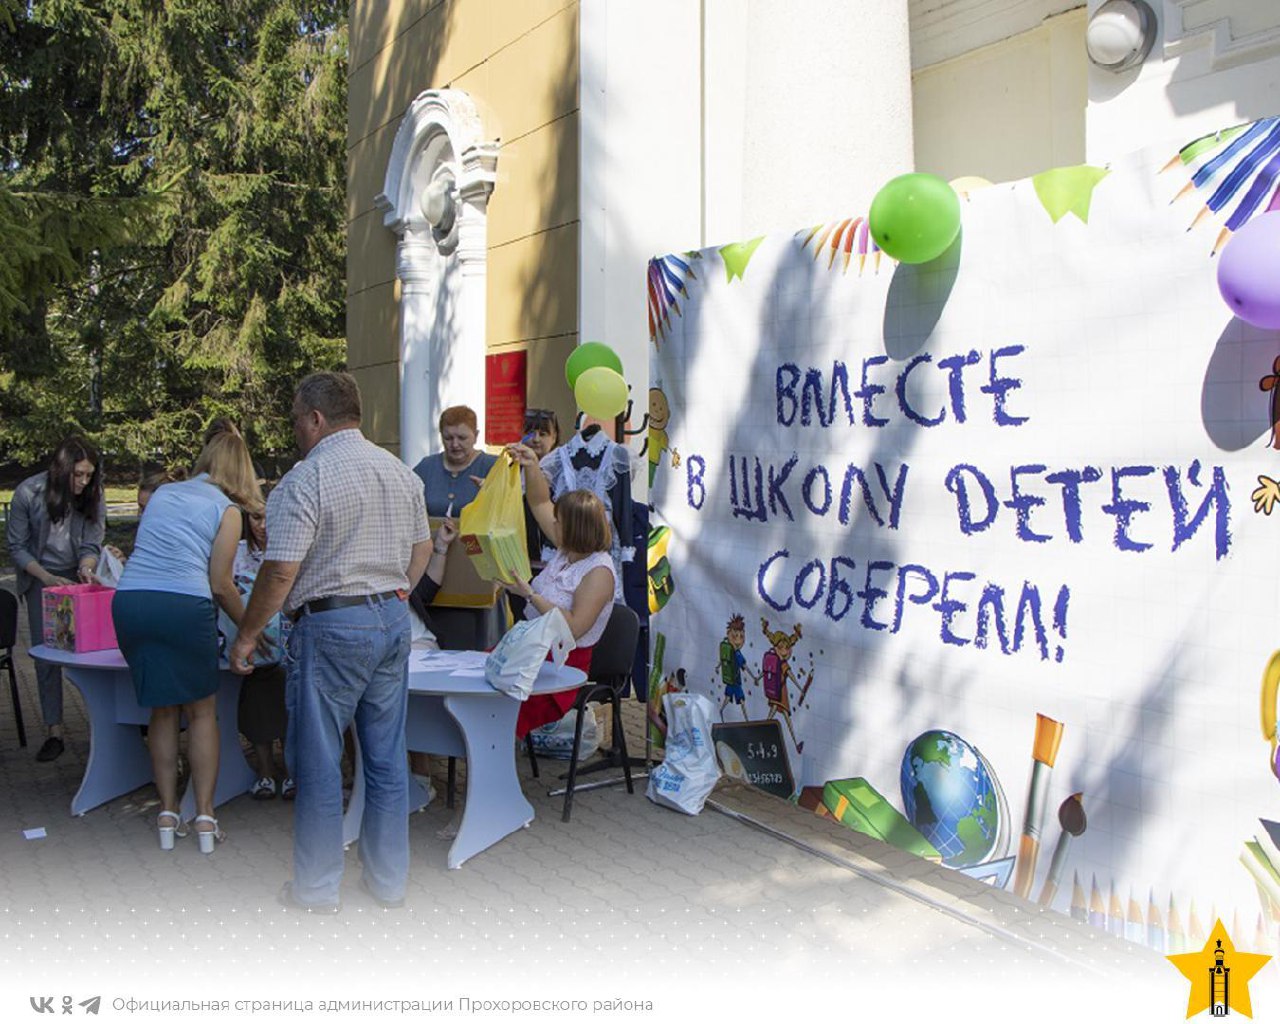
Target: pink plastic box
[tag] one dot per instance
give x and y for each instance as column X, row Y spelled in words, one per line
column 78, row 617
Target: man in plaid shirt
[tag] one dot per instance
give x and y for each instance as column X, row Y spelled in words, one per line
column 347, row 539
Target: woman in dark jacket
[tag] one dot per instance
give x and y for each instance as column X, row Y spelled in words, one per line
column 55, row 528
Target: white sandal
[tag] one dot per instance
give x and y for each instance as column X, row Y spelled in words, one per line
column 208, row 837
column 167, row 833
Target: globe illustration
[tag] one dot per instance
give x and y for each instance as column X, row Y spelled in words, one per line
column 950, row 797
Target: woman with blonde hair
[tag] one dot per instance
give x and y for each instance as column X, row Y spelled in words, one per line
column 579, row 578
column 166, row 620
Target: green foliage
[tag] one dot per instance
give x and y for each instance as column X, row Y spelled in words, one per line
column 172, row 203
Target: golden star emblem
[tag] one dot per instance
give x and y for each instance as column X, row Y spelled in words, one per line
column 1197, row 968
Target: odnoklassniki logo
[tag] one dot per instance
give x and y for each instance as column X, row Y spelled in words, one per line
column 45, row 1004
column 1219, row 975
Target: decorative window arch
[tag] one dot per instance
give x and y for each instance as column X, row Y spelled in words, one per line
column 435, row 197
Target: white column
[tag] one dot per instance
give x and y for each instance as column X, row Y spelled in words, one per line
column 416, row 266
column 464, row 370
column 441, row 264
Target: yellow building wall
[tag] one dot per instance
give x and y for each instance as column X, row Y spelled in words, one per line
column 518, row 60
column 1008, row 110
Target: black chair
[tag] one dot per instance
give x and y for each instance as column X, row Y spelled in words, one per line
column 9, row 637
column 612, row 660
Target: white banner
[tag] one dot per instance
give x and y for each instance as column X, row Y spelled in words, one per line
column 1014, row 482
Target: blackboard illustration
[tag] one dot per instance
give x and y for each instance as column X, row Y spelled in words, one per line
column 1247, row 159
column 657, row 441
column 755, row 753
column 844, row 236
column 733, row 664
column 776, row 672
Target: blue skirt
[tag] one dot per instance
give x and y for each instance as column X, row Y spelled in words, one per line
column 171, row 644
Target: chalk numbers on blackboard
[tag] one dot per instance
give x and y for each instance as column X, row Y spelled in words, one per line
column 762, row 751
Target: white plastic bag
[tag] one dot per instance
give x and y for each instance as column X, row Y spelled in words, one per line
column 689, row 771
column 109, row 570
column 514, row 663
column 555, row 739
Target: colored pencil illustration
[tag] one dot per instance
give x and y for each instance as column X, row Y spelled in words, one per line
column 1195, row 930
column 1135, row 928
column 1240, row 164
column 1155, row 924
column 1097, row 910
column 1115, row 919
column 844, row 237
column 1079, row 908
column 1176, row 940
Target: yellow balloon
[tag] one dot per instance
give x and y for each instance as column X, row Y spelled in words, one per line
column 968, row 183
column 601, row 392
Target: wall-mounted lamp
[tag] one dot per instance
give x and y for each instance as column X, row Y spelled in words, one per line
column 438, row 206
column 1120, row 34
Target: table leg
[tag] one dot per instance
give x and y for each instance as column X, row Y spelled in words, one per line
column 355, row 812
column 119, row 761
column 234, row 774
column 495, row 806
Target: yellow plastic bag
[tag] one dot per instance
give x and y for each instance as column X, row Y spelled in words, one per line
column 491, row 528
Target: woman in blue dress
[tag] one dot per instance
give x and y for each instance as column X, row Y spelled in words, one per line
column 166, row 621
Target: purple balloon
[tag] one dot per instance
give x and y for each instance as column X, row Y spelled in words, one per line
column 1249, row 271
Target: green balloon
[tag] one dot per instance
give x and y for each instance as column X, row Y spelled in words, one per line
column 601, row 392
column 588, row 355
column 915, row 217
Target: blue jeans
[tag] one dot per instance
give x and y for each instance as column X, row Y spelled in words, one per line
column 344, row 665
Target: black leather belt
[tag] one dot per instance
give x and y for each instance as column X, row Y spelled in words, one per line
column 328, row 604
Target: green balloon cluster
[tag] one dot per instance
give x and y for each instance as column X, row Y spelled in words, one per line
column 594, row 371
column 601, row 392
column 588, row 355
column 915, row 217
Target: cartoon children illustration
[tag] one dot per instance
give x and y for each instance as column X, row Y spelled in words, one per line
column 1268, row 491
column 775, row 670
column 657, row 443
column 733, row 664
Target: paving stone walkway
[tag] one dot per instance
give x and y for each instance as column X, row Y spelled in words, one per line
column 754, row 904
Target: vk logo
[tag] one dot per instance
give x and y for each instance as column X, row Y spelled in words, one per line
column 42, row 1004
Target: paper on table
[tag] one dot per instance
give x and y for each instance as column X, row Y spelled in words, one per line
column 34, row 833
column 446, row 661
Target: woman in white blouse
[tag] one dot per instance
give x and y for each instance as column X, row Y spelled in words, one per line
column 579, row 579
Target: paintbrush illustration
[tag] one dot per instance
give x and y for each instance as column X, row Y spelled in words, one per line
column 1072, row 818
column 1043, row 752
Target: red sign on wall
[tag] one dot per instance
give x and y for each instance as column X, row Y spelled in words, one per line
column 505, row 396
